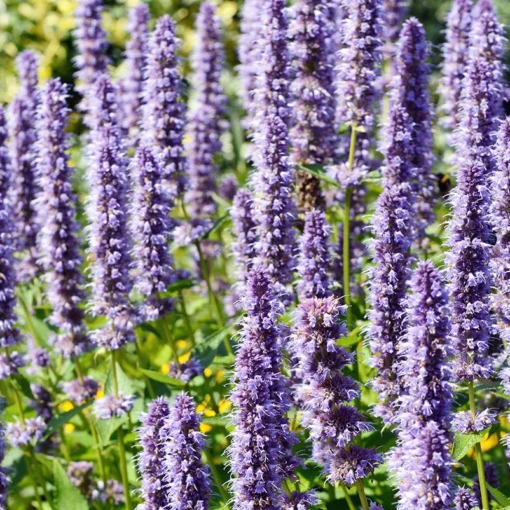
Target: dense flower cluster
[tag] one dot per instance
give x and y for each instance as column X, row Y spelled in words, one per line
column 111, row 406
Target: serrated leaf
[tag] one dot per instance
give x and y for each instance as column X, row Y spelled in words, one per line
column 162, row 378
column 63, row 418
column 464, row 442
column 498, row 496
column 125, row 385
column 66, row 494
column 105, row 428
column 318, row 171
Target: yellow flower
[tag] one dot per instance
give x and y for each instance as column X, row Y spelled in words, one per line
column 165, row 368
column 184, row 357
column 68, row 428
column 205, row 428
column 224, row 406
column 207, row 372
column 220, row 375
column 66, row 406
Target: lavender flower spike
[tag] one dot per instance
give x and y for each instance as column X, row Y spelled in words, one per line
column 107, row 211
column 410, row 90
column 421, row 460
column 326, row 392
column 150, row 465
column 358, row 70
column 9, row 334
column 455, row 52
column 4, row 480
column 23, row 134
column 206, row 124
column 92, row 60
column 469, row 254
column 258, row 438
column 187, row 479
column 500, row 223
column 314, row 260
column 394, row 12
column 164, row 111
column 273, row 208
column 313, row 135
column 59, row 244
column 152, row 229
column 136, row 56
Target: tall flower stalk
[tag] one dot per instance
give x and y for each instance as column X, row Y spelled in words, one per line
column 23, row 153
column 109, row 244
column 206, row 122
column 164, row 110
column 313, row 135
column 61, row 257
column 421, row 460
column 274, row 210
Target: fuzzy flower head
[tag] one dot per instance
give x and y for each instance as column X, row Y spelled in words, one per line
column 58, row 236
column 107, row 211
column 206, row 124
column 152, row 230
column 10, row 363
column 29, row 432
column 393, row 14
column 111, row 406
column 465, row 499
column 81, row 476
column 164, row 110
column 186, row 371
column 464, row 423
column 150, row 462
column 314, row 260
column 187, row 479
column 23, row 153
column 78, row 391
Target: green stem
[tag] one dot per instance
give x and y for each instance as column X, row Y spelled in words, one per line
column 170, row 341
column 217, row 477
column 120, row 434
column 34, row 484
column 189, row 327
column 347, row 232
column 478, row 452
column 348, row 498
column 38, row 475
column 362, row 495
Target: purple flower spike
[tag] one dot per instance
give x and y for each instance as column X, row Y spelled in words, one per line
column 410, row 91
column 107, row 211
column 314, row 135
column 422, row 460
column 150, row 463
column 358, row 71
column 325, row 392
column 243, row 248
column 455, row 52
column 164, row 110
column 81, row 476
column 92, row 60
column 61, row 257
column 9, row 334
column 393, row 14
column 248, row 53
column 206, row 124
column 299, row 500
column 500, row 223
column 152, row 228
column 21, row 434
column 260, row 449
column 394, row 230
column 465, row 499
column 469, row 232
column 273, row 178
column 187, row 479
column 23, row 153
column 314, row 260
column 136, row 57
column 78, row 391
column 4, row 480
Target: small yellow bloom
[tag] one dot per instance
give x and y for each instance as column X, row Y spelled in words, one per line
column 68, row 428
column 220, row 375
column 489, row 442
column 165, row 368
column 181, row 344
column 209, row 413
column 100, row 393
column 205, row 428
column 224, row 406
column 66, row 406
column 207, row 372
column 184, row 357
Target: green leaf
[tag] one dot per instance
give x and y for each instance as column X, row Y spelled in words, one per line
column 499, row 496
column 318, row 171
column 162, row 378
column 207, row 348
column 64, row 418
column 66, row 494
column 351, row 339
column 23, row 385
column 181, row 285
column 464, row 442
column 105, row 428
column 125, row 385
column 216, row 226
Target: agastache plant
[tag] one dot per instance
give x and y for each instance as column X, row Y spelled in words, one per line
column 393, row 14
column 421, row 460
column 107, row 210
column 314, row 259
column 455, row 51
column 273, row 178
column 186, row 479
column 23, row 153
column 164, row 110
column 257, row 455
column 92, row 60
column 136, row 56
column 151, row 230
column 4, row 480
column 313, row 135
column 58, row 240
column 325, row 392
column 206, row 123
column 151, row 465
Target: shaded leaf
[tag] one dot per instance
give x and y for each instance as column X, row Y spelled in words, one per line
column 162, row 378
column 464, row 442
column 66, row 494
